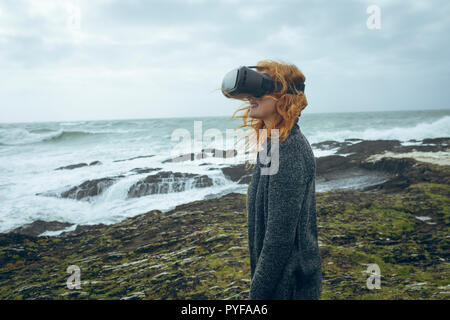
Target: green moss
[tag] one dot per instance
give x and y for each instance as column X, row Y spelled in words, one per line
column 145, row 253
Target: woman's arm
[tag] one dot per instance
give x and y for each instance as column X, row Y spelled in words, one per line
column 250, row 206
column 285, row 197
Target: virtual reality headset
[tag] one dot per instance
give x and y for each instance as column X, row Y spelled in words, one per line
column 243, row 82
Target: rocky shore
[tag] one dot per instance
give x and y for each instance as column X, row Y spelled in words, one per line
column 199, row 250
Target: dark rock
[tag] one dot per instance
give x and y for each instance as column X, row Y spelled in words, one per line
column 332, row 163
column 145, row 170
column 73, row 166
column 329, row 144
column 168, row 181
column 353, row 139
column 138, row 157
column 80, row 229
column 439, row 141
column 407, row 171
column 205, row 153
column 39, row 226
column 89, row 188
column 245, row 179
column 85, row 190
column 391, row 165
column 238, row 173
column 369, row 147
column 79, row 165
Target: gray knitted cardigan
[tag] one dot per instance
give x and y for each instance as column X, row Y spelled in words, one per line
column 282, row 232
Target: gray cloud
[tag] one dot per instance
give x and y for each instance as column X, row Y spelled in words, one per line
column 79, row 59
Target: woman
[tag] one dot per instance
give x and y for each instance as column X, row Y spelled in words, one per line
column 282, row 232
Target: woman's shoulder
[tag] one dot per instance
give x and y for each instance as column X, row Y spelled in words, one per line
column 297, row 147
column 296, row 139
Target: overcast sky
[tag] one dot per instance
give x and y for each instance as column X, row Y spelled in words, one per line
column 110, row 59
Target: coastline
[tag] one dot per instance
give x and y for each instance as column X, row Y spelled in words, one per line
column 199, row 250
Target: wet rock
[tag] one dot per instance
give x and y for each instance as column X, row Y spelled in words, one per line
column 437, row 141
column 144, row 170
column 81, row 229
column 218, row 153
column 168, row 181
column 407, row 171
column 199, row 250
column 369, row 147
column 138, row 157
column 39, row 226
column 79, row 165
column 89, row 188
column 334, row 163
column 238, row 173
column 217, row 238
column 392, row 165
column 84, row 191
column 330, row 144
column 72, row 166
column 205, row 153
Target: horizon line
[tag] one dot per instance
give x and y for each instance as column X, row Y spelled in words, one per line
column 216, row 116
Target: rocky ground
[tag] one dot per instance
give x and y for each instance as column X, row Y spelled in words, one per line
column 199, row 250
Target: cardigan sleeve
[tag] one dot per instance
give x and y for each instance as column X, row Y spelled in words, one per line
column 286, row 192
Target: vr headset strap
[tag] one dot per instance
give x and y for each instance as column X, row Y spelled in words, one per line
column 290, row 90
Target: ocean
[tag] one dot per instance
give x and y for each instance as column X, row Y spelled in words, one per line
column 30, row 153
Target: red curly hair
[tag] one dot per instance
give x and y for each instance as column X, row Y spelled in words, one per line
column 288, row 106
